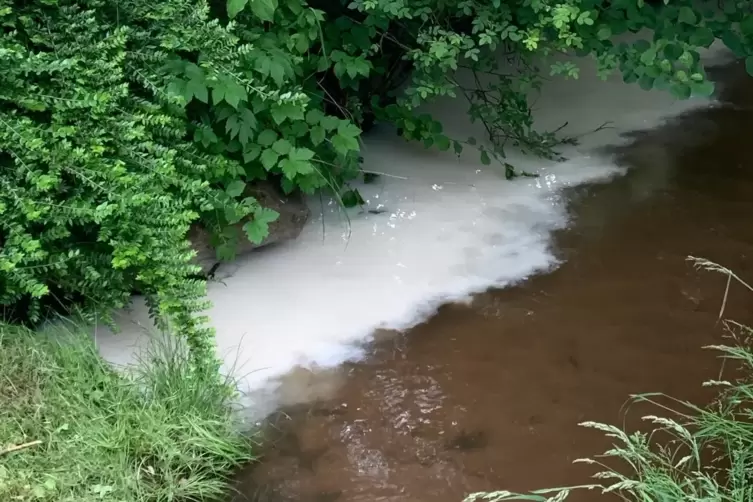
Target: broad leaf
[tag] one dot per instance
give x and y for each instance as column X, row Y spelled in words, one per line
column 298, row 162
column 235, row 188
column 251, row 153
column 282, row 146
column 196, row 88
column 485, row 158
column 301, row 154
column 317, row 135
column 352, row 198
column 258, row 228
column 234, row 7
column 264, row 9
column 269, row 159
column 286, row 111
column 687, row 15
column 267, row 137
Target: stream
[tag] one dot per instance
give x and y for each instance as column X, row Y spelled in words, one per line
column 453, row 342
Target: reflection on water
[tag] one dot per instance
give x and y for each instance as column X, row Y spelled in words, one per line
column 487, row 395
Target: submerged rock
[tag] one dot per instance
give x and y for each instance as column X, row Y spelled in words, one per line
column 294, row 213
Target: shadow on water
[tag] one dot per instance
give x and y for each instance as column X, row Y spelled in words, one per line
column 488, row 395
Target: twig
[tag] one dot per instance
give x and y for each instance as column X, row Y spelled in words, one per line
column 388, row 175
column 11, row 449
column 605, row 125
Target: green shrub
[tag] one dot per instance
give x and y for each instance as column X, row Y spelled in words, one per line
column 73, row 430
column 121, row 124
column 702, row 454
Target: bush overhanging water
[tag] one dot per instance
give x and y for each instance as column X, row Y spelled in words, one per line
column 123, row 123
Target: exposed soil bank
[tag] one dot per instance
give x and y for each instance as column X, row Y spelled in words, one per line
column 488, row 396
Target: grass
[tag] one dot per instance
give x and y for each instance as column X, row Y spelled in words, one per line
column 693, row 453
column 72, row 429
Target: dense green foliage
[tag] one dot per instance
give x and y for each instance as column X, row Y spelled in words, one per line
column 122, row 123
column 693, row 453
column 72, row 430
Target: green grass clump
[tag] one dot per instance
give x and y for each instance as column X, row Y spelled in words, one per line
column 693, row 453
column 72, row 429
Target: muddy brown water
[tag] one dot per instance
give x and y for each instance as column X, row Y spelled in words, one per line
column 488, row 396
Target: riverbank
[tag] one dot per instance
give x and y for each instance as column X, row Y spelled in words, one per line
column 72, row 429
column 489, row 395
column 435, row 228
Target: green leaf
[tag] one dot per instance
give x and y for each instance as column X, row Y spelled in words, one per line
column 291, row 168
column 702, row 37
column 317, row 135
column 704, row 89
column 485, row 158
column 194, row 72
column 235, row 188
column 282, row 146
column 346, row 138
column 585, row 18
column 344, row 144
column 269, row 159
column 352, row 198
column 687, row 16
column 314, row 116
column 258, row 228
column 680, row 91
column 458, row 147
column 329, row 122
column 226, row 251
column 301, row 154
column 301, row 43
column 442, row 142
column 673, row 52
column 234, row 93
column 749, row 65
column 248, row 126
column 347, row 128
column 277, row 72
column 232, row 126
column 264, row 9
column 267, row 137
column 746, row 26
column 298, row 129
column 234, row 7
column 196, row 88
column 358, row 66
column 286, row 111
column 177, row 87
column 733, row 43
column 298, row 163
column 323, row 64
column 648, row 57
column 604, row 33
column 630, row 77
column 646, row 82
column 251, row 153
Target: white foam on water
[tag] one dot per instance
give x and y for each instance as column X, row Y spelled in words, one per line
column 451, row 227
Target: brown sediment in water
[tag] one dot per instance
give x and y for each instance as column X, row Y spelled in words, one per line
column 488, row 396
